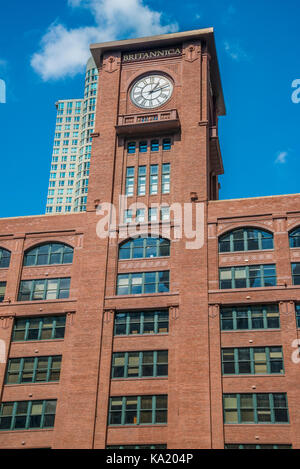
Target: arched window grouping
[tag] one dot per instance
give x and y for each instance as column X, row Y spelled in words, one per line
column 144, row 247
column 48, row 254
column 295, row 238
column 4, row 258
column 246, row 239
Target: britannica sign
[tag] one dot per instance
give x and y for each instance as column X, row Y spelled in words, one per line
column 151, row 54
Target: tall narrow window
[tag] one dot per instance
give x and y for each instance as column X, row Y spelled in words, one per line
column 154, row 179
column 296, row 273
column 127, row 216
column 154, row 145
column 166, row 144
column 2, row 291
column 129, row 189
column 142, row 180
column 143, row 146
column 131, row 147
column 140, row 215
column 295, row 238
column 165, row 182
column 153, row 214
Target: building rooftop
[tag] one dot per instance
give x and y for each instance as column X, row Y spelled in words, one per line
column 207, row 34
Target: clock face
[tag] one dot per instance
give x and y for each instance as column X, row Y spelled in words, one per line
column 151, row 91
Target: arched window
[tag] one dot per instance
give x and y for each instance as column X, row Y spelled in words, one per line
column 245, row 239
column 144, row 247
column 48, row 254
column 4, row 258
column 295, row 238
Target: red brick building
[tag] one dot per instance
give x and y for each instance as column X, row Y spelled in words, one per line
column 139, row 341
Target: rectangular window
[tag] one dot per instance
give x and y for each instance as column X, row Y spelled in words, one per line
column 252, row 360
column 154, row 144
column 165, row 213
column 148, row 364
column 143, row 283
column 153, row 214
column 153, row 186
column 166, row 144
column 250, row 317
column 165, row 178
column 142, row 322
column 129, row 185
column 127, row 216
column 131, row 147
column 296, row 273
column 252, row 276
column 138, row 410
column 143, row 146
column 33, row 370
column 2, row 291
column 26, row 415
column 44, row 289
column 260, row 408
column 297, row 306
column 140, row 215
column 39, row 328
column 142, row 180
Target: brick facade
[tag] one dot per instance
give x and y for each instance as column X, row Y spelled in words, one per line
column 194, row 384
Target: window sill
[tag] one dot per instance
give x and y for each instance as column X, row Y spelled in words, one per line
column 251, row 330
column 27, row 430
column 150, row 425
column 129, row 336
column 263, row 375
column 146, row 378
column 29, row 384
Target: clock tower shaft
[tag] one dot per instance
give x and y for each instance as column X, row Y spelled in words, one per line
column 168, row 156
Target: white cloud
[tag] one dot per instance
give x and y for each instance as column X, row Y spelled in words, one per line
column 281, row 157
column 64, row 51
column 235, row 51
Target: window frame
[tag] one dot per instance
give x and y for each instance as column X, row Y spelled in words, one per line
column 41, row 320
column 255, row 409
column 294, row 235
column 146, row 246
column 65, row 251
column 49, row 369
column 247, row 277
column 5, row 256
column 27, row 414
column 159, row 317
column 141, row 363
column 245, row 240
column 250, row 311
column 144, row 282
column 33, row 291
column 238, row 362
column 138, row 410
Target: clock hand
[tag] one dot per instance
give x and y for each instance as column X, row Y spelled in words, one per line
column 159, row 89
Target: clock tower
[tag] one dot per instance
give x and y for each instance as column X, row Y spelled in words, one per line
column 156, row 145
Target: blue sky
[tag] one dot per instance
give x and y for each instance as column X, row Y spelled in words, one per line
column 43, row 49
